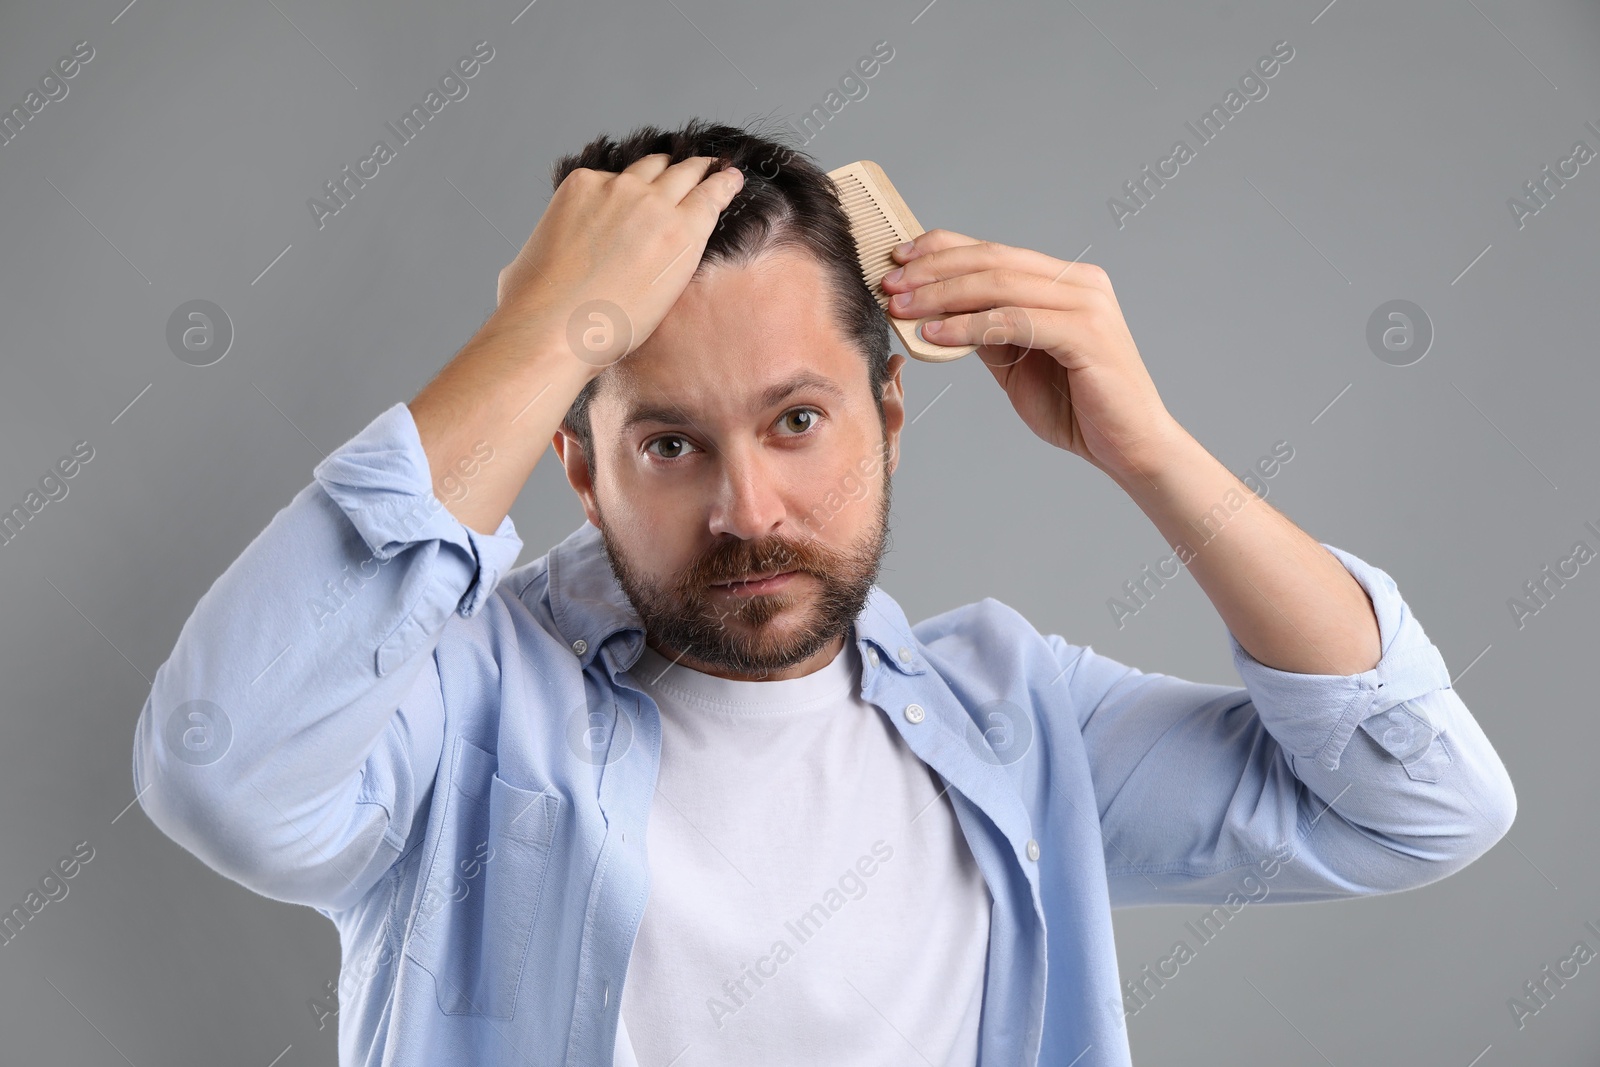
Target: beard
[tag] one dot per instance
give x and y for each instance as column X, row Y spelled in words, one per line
column 681, row 619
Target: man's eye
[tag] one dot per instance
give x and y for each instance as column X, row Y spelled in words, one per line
column 810, row 413
column 673, row 439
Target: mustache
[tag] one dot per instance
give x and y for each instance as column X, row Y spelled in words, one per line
column 737, row 560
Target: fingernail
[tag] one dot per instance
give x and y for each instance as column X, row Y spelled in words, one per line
column 904, row 247
column 900, row 300
column 894, row 275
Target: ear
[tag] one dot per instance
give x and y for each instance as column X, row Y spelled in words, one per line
column 569, row 450
column 894, row 408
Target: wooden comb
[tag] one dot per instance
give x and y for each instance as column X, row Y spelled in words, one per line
column 879, row 220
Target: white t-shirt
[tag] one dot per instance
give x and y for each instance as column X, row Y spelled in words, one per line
column 812, row 898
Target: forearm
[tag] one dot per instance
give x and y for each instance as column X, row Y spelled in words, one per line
column 502, row 396
column 1284, row 597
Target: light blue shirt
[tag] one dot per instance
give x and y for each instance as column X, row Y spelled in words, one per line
column 372, row 714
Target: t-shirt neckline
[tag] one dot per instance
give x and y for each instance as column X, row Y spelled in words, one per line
column 824, row 686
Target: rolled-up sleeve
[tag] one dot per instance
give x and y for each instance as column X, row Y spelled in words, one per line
column 1370, row 783
column 290, row 736
column 381, row 480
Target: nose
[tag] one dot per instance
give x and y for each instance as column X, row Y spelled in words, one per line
column 748, row 503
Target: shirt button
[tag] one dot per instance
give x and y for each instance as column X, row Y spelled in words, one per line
column 914, row 713
column 872, row 656
column 580, row 646
column 1033, row 849
column 905, row 655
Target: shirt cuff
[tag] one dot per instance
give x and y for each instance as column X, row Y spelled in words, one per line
column 1313, row 716
column 380, row 478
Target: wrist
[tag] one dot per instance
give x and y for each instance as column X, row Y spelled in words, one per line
column 535, row 336
column 1166, row 447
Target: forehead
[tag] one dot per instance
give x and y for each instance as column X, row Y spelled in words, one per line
column 733, row 340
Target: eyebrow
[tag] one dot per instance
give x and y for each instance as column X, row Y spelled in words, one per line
column 775, row 394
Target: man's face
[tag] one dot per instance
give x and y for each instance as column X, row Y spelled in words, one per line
column 741, row 439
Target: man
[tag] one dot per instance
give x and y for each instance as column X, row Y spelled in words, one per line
column 689, row 788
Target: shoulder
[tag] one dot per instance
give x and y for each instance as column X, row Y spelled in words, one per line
column 1005, row 677
column 989, row 646
column 975, row 623
column 986, row 638
column 528, row 584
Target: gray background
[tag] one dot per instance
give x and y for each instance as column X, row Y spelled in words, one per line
column 1378, row 167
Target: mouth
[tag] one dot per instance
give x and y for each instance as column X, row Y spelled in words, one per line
column 766, row 583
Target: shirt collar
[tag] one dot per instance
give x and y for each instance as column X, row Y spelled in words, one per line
column 593, row 613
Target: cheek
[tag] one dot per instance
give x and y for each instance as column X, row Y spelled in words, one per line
column 655, row 530
column 834, row 506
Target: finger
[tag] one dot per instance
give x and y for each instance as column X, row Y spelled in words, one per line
column 932, row 241
column 678, row 180
column 1024, row 327
column 716, row 192
column 952, row 260
column 648, row 167
column 992, row 288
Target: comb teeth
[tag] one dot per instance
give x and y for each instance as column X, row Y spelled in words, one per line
column 874, row 231
column 879, row 220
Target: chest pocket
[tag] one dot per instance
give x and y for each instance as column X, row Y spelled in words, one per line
column 471, row 925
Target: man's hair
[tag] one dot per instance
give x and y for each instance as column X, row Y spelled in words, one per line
column 786, row 201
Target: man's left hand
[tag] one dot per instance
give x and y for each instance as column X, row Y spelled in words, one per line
column 1052, row 334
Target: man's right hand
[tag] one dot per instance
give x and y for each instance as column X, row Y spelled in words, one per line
column 626, row 242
